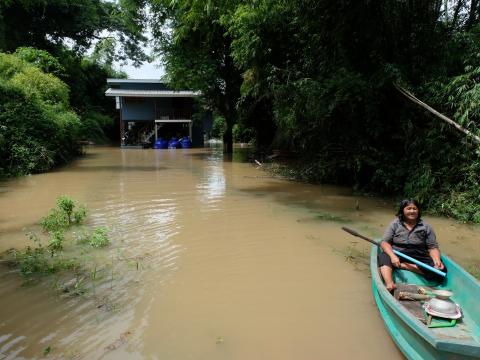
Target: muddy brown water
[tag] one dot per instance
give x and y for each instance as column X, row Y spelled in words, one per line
column 211, row 258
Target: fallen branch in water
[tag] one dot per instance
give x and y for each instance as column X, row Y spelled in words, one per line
column 411, row 97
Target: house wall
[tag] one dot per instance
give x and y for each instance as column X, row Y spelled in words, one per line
column 138, row 86
column 138, row 109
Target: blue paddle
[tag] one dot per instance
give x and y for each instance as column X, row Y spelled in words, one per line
column 396, row 252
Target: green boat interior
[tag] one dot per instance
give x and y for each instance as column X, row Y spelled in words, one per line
column 466, row 328
column 445, row 328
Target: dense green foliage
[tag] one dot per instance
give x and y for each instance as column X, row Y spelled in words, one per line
column 53, row 24
column 218, row 127
column 318, row 78
column 37, row 129
column 64, row 88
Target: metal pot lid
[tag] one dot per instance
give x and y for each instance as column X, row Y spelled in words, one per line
column 442, row 310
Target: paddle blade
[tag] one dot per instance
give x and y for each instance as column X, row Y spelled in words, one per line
column 350, row 231
column 354, row 233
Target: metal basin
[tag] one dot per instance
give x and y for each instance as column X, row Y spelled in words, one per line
column 442, row 306
column 442, row 294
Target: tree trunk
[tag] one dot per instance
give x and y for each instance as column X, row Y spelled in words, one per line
column 228, row 136
column 233, row 81
column 456, row 12
column 472, row 16
column 445, row 9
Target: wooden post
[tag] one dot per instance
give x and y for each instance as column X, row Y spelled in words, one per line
column 122, row 130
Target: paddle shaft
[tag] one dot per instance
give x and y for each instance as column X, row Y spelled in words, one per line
column 396, row 252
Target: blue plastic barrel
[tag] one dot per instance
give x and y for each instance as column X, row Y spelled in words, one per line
column 186, row 143
column 174, row 143
column 160, row 144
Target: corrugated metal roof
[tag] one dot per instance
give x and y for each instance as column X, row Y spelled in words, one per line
column 126, row 81
column 151, row 93
column 173, row 120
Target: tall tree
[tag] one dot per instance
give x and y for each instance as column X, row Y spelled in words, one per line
column 48, row 24
column 192, row 37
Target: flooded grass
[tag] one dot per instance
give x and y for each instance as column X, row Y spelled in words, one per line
column 359, row 258
column 66, row 255
column 324, row 216
column 280, row 171
column 331, row 217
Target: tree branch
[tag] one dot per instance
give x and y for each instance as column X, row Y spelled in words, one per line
column 456, row 12
column 411, row 97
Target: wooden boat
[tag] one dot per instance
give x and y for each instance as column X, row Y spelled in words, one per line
column 406, row 320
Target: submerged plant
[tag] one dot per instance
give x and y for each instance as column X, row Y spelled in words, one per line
column 356, row 257
column 66, row 205
column 331, row 217
column 36, row 261
column 64, row 215
column 82, row 237
column 80, row 214
column 56, row 241
column 56, row 220
column 79, row 286
column 99, row 237
column 39, row 260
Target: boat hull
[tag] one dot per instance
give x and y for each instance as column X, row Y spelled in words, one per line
column 415, row 339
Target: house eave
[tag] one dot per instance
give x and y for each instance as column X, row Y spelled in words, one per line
column 151, row 93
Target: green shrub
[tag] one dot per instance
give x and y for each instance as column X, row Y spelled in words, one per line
column 10, row 65
column 37, row 131
column 54, row 221
column 243, row 134
column 80, row 214
column 56, row 241
column 24, row 129
column 93, row 126
column 66, row 205
column 99, row 238
column 46, row 87
column 32, row 261
column 63, row 215
column 38, row 261
column 218, row 127
column 41, row 59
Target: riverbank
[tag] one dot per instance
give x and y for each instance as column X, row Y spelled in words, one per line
column 461, row 206
column 294, row 170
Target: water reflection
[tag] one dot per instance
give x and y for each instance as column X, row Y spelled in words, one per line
column 212, row 185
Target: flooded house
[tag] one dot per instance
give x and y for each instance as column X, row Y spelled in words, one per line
column 152, row 114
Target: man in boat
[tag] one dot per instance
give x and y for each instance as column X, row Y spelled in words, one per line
column 409, row 234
